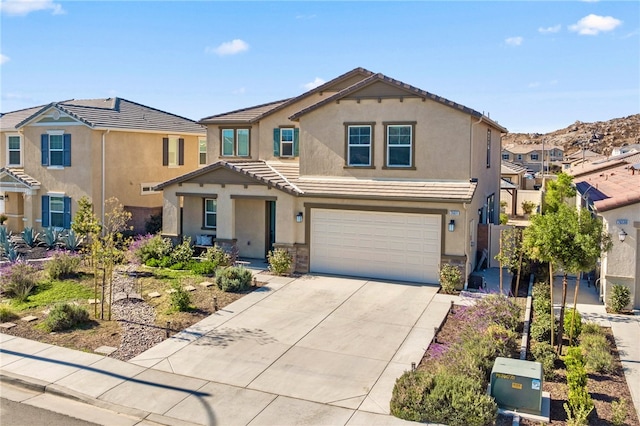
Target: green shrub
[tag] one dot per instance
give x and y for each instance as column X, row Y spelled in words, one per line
column 620, row 298
column 619, row 412
column 180, row 299
column 18, row 280
column 233, row 279
column 204, row 267
column 65, row 317
column 596, row 353
column 499, row 309
column 153, row 225
column 149, row 247
column 280, row 261
column 450, row 278
column 591, row 327
column 442, row 397
column 540, row 329
column 183, row 252
column 7, row 314
column 572, row 326
column 154, row 263
column 504, row 218
column 218, row 256
column 579, row 403
column 62, row 265
column 544, row 353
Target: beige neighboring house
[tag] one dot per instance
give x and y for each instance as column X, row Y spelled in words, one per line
column 363, row 176
column 513, row 179
column 99, row 148
column 611, row 190
column 530, row 156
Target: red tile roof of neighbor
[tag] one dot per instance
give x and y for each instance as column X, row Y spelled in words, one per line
column 619, row 186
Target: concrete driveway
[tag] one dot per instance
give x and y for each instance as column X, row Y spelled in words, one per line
column 311, row 350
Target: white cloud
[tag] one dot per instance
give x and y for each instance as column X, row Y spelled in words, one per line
column 240, row 91
column 594, row 24
column 229, row 48
column 24, row 7
column 550, row 30
column 4, row 59
column 313, row 84
column 514, row 41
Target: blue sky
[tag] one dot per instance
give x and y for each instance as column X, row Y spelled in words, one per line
column 533, row 66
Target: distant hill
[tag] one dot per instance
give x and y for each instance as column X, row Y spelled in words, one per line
column 601, row 136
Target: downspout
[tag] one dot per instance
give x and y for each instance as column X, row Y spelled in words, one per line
column 103, row 177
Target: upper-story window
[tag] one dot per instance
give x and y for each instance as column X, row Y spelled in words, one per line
column 235, row 142
column 359, row 141
column 14, row 150
column 202, row 151
column 56, row 149
column 400, row 145
column 519, row 157
column 488, row 148
column 535, row 157
column 286, row 142
column 173, row 151
column 505, row 156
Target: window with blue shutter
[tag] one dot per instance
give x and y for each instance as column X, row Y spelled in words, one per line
column 67, row 213
column 45, row 210
column 44, row 148
column 66, row 150
column 296, row 142
column 276, row 142
column 287, row 141
column 55, row 149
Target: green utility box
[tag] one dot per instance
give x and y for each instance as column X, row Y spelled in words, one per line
column 517, row 385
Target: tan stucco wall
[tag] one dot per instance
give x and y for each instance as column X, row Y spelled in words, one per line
column 441, row 139
column 250, row 227
column 621, row 265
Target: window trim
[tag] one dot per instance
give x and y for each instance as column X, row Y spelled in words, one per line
column 292, row 142
column 412, row 150
column 536, row 155
column 149, row 188
column 20, row 150
column 205, row 213
column 505, row 156
column 235, row 141
column 200, row 152
column 347, row 158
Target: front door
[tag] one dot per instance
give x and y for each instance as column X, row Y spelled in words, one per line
column 270, row 226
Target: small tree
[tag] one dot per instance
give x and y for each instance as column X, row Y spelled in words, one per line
column 450, row 278
column 557, row 192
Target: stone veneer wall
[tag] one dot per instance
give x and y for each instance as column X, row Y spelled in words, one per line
column 299, row 254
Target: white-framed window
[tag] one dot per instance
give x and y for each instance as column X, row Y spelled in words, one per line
column 146, row 188
column 235, row 142
column 14, row 150
column 505, row 156
column 202, row 151
column 399, row 145
column 56, row 211
column 286, row 142
column 359, row 139
column 534, row 157
column 210, row 214
column 55, row 147
column 173, row 151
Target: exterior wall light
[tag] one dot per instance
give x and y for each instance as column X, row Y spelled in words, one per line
column 299, row 217
column 452, row 225
column 622, row 235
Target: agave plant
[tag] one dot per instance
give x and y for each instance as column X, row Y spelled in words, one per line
column 30, row 236
column 72, row 240
column 50, row 237
column 9, row 250
column 5, row 235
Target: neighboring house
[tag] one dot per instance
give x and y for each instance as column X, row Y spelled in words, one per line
column 612, row 192
column 580, row 157
column 626, row 148
column 531, row 156
column 99, row 148
column 364, row 176
column 513, row 179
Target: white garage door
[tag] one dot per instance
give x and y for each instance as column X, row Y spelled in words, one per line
column 396, row 246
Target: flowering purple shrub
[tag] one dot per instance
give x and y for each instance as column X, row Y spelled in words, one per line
column 146, row 247
column 17, row 280
column 63, row 264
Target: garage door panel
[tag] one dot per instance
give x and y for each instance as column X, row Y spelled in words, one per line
column 376, row 244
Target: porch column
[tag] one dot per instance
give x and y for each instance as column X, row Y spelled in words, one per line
column 170, row 214
column 28, row 215
column 226, row 218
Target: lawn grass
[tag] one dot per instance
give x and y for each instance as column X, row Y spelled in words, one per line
column 51, row 292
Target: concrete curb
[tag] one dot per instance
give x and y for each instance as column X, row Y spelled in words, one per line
column 44, row 387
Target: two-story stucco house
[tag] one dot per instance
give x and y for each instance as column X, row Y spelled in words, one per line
column 99, row 148
column 364, row 176
column 531, row 156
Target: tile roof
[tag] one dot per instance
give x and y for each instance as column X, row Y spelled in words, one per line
column 285, row 176
column 20, row 176
column 9, row 120
column 507, row 167
column 113, row 113
column 600, row 164
column 612, row 188
column 412, row 90
column 527, row 148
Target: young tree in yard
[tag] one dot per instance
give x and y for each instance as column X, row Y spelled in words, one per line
column 510, row 254
column 567, row 239
column 557, row 192
column 86, row 224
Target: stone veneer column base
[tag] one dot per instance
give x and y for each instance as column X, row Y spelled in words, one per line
column 299, row 254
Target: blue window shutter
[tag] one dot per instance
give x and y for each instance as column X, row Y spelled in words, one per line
column 165, row 151
column 67, row 213
column 45, row 211
column 296, row 142
column 44, row 147
column 66, row 150
column 276, row 142
column 181, row 152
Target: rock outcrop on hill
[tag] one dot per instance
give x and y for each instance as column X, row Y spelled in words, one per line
column 601, row 136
